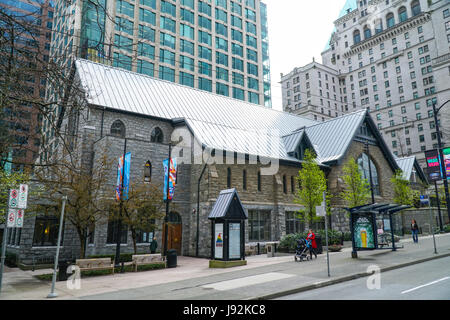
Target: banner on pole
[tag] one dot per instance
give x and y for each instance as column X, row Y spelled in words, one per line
column 446, row 152
column 123, row 174
column 172, row 177
column 433, row 165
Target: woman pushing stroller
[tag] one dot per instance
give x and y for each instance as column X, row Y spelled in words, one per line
column 313, row 245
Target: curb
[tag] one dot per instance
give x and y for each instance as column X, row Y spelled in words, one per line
column 327, row 283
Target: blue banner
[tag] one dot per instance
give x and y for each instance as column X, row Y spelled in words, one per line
column 172, row 177
column 126, row 182
column 123, row 174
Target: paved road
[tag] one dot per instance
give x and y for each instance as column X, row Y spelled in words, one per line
column 425, row 281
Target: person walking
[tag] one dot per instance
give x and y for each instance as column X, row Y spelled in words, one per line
column 415, row 231
column 153, row 245
column 313, row 245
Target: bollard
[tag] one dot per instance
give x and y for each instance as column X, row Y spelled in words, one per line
column 258, row 249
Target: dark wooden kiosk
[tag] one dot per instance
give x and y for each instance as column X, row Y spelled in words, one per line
column 227, row 231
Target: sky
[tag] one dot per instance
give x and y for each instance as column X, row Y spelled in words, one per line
column 298, row 31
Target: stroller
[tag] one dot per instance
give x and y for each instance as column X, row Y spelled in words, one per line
column 302, row 250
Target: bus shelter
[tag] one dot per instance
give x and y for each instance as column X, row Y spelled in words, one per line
column 364, row 229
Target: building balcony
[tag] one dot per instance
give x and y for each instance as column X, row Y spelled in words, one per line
column 441, row 60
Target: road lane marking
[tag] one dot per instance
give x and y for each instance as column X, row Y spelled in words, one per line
column 247, row 281
column 426, row 285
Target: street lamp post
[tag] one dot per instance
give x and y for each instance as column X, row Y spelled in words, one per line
column 441, row 153
column 166, row 218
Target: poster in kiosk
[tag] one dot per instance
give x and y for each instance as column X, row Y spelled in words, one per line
column 228, row 227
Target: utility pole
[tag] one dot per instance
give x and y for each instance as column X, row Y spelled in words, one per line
column 52, row 293
column 441, row 154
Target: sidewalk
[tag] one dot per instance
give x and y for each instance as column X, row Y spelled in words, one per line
column 262, row 278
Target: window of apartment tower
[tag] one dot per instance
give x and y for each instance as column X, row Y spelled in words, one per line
column 259, row 225
column 415, row 7
column 244, row 179
column 402, row 14
column 356, row 37
column 390, row 20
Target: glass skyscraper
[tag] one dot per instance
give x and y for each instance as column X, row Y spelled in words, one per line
column 220, row 46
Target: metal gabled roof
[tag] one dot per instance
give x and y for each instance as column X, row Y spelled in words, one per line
column 332, row 138
column 406, row 165
column 223, row 202
column 217, row 121
column 292, row 140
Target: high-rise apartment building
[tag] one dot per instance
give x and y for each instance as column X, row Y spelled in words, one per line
column 220, row 46
column 392, row 57
column 26, row 27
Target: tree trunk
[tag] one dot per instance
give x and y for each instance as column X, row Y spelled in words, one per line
column 133, row 236
column 82, row 237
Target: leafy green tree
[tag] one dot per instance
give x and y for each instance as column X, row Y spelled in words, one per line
column 357, row 190
column 403, row 194
column 312, row 184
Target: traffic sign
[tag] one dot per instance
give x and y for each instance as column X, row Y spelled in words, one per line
column 321, row 210
column 23, row 196
column 11, row 218
column 19, row 218
column 424, row 200
column 13, row 198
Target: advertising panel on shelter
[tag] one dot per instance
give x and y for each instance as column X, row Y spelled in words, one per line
column 364, row 231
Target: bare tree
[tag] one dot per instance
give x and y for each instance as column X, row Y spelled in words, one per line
column 84, row 188
column 141, row 210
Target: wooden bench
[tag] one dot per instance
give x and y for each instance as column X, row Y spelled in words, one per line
column 95, row 264
column 141, row 259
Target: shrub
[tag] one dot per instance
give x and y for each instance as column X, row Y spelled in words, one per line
column 447, row 228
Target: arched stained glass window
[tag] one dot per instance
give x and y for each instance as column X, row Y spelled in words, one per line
column 363, row 165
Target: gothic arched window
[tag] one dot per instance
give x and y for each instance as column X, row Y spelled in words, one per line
column 118, row 129
column 363, row 165
column 157, row 135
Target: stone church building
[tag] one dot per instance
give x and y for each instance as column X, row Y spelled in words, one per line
column 235, row 144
